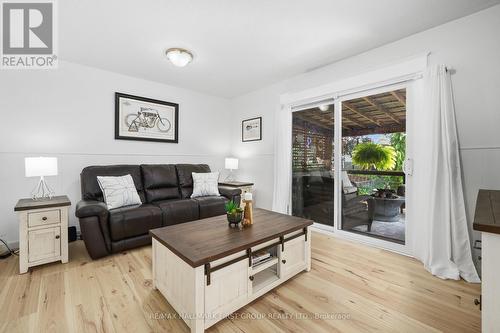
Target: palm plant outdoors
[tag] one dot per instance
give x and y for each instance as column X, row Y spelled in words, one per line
column 371, row 155
column 398, row 141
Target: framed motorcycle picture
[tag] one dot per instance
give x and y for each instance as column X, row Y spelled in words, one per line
column 145, row 119
column 251, row 129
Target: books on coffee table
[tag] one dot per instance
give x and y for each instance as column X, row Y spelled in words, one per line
column 260, row 257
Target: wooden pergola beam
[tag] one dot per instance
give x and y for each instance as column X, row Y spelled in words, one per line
column 316, row 122
column 374, row 130
column 398, row 96
column 381, row 109
column 314, row 119
column 352, row 121
column 353, row 109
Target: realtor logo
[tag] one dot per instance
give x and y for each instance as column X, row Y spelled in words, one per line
column 28, row 33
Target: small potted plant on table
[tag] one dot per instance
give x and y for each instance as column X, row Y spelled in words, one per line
column 234, row 213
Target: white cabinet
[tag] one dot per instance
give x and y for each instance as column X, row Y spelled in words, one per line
column 490, row 288
column 227, row 292
column 209, row 292
column 44, row 243
column 293, row 258
column 43, row 231
column 486, row 221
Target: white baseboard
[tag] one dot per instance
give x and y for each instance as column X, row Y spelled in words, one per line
column 13, row 245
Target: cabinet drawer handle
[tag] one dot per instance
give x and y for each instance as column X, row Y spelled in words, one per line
column 251, row 278
column 283, row 261
column 44, row 218
column 57, row 236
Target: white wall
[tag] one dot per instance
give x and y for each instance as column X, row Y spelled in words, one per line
column 69, row 113
column 469, row 45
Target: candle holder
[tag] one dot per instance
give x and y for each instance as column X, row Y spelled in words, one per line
column 248, row 210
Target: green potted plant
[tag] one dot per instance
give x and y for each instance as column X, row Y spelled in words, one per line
column 234, row 213
column 372, row 156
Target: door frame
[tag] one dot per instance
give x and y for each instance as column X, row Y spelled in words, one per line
column 405, row 73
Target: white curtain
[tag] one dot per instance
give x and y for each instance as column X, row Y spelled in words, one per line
column 439, row 235
column 282, row 160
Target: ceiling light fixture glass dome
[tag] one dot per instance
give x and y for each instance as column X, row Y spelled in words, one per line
column 324, row 107
column 179, row 57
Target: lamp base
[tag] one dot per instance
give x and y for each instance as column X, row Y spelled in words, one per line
column 230, row 176
column 42, row 190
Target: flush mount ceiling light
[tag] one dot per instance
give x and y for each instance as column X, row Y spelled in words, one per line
column 324, row 107
column 179, row 57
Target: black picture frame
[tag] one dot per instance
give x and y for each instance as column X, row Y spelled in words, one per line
column 243, row 129
column 118, row 118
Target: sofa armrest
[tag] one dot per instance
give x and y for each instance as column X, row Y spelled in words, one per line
column 93, row 216
column 97, row 243
column 88, row 208
column 230, row 192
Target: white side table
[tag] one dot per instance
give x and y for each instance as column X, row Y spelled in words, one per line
column 43, row 231
column 245, row 187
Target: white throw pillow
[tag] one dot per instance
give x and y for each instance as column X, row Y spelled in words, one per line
column 118, row 191
column 205, row 184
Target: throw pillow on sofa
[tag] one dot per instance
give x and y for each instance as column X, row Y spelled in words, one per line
column 205, row 184
column 118, row 191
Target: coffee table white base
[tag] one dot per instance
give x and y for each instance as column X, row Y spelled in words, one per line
column 200, row 304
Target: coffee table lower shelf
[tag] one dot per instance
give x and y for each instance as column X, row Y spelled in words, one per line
column 203, row 297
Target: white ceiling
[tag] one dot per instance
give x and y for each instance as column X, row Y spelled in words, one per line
column 239, row 46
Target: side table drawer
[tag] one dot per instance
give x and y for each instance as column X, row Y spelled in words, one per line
column 43, row 218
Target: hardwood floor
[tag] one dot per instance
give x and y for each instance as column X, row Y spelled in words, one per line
column 351, row 288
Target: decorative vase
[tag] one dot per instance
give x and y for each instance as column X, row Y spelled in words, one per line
column 234, row 218
column 247, row 213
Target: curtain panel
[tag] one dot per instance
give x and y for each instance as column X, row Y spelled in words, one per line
column 282, row 160
column 439, row 234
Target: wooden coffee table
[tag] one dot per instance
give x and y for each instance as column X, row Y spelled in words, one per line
column 207, row 270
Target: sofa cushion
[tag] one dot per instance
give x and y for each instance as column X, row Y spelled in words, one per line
column 211, row 206
column 178, row 210
column 133, row 221
column 160, row 182
column 184, row 173
column 90, row 187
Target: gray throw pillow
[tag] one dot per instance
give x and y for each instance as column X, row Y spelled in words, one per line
column 205, row 184
column 118, row 191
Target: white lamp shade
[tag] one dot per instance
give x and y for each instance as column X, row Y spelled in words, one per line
column 40, row 166
column 231, row 163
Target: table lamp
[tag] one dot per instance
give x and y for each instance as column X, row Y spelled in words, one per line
column 231, row 164
column 41, row 167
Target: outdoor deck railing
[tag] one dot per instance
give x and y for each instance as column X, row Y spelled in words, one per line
column 377, row 173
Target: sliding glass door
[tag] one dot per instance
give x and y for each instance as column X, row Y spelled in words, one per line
column 312, row 163
column 373, row 143
column 365, row 149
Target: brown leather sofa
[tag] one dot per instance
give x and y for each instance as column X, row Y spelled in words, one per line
column 165, row 191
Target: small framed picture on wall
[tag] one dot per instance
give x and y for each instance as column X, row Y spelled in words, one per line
column 146, row 119
column 251, row 129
